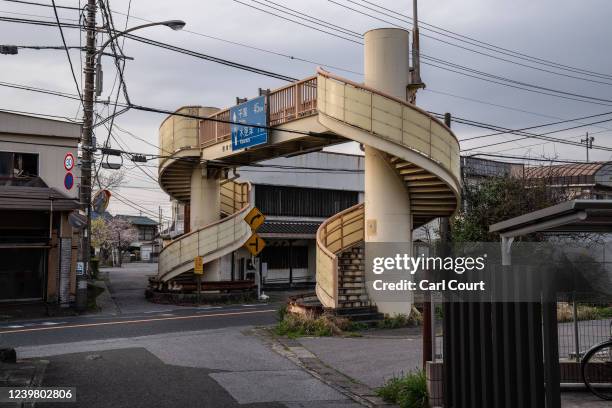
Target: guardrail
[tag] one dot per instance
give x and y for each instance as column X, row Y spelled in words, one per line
column 388, row 118
column 336, row 234
column 285, row 104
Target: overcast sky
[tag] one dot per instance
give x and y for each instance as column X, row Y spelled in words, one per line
column 573, row 33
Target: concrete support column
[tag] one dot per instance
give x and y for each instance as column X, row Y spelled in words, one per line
column 204, row 209
column 387, row 204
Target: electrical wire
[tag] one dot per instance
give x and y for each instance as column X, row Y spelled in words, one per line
column 59, row 25
column 478, row 43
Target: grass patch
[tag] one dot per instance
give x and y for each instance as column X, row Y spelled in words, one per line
column 408, row 391
column 565, row 312
column 92, row 293
column 299, row 325
column 402, row 320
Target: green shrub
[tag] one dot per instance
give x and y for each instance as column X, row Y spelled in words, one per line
column 297, row 325
column 409, row 391
column 281, row 312
column 565, row 312
column 401, row 320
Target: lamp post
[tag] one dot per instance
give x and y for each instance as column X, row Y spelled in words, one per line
column 173, row 24
column 90, row 71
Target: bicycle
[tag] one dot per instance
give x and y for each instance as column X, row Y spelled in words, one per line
column 596, row 369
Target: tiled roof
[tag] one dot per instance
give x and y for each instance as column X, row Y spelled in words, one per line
column 137, row 219
column 564, row 170
column 35, row 199
column 289, row 227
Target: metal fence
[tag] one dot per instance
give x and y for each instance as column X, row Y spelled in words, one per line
column 582, row 326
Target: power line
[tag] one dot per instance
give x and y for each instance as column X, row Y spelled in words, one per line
column 475, row 42
column 518, row 84
column 548, row 124
column 264, row 50
column 168, row 47
column 501, row 106
column 32, row 3
column 299, row 23
column 44, row 115
column 59, row 25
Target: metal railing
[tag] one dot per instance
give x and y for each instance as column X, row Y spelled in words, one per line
column 336, row 234
column 285, row 104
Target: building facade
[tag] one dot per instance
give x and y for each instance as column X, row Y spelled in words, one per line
column 296, row 195
column 39, row 220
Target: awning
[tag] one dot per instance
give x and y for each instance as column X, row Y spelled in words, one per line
column 570, row 216
column 289, row 229
column 35, row 199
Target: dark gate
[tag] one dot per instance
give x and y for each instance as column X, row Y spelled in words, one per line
column 500, row 355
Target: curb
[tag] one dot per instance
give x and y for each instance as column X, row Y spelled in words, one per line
column 309, row 362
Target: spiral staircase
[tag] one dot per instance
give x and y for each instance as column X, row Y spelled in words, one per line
column 326, row 109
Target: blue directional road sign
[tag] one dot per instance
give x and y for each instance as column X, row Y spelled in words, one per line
column 252, row 112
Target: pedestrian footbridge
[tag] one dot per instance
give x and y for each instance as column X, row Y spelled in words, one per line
column 412, row 165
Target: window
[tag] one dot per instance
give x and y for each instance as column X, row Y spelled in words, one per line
column 18, row 165
column 302, row 202
column 277, row 257
column 146, row 233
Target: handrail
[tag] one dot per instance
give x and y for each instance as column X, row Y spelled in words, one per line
column 208, row 225
column 327, row 260
column 327, row 74
column 287, row 103
column 390, row 119
column 226, row 227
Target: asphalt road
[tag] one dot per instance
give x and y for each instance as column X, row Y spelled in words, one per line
column 138, row 354
column 92, row 327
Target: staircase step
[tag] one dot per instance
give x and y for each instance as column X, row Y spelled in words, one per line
column 351, row 304
column 352, row 291
column 353, row 298
column 350, row 285
column 356, row 310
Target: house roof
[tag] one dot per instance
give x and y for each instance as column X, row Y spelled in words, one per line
column 35, row 199
column 137, row 219
column 284, row 228
column 563, row 170
column 569, row 216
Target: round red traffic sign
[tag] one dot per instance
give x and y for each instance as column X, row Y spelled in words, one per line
column 69, row 161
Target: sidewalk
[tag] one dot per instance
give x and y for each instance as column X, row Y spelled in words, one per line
column 379, row 355
column 21, row 374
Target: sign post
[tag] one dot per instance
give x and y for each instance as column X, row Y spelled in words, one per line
column 198, row 270
column 255, row 244
column 252, row 112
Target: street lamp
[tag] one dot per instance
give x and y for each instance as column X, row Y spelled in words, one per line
column 172, row 24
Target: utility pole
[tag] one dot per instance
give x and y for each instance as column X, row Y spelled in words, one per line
column 415, row 75
column 87, row 149
column 589, row 144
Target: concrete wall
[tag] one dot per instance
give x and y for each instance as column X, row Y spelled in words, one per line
column 352, row 181
column 51, row 152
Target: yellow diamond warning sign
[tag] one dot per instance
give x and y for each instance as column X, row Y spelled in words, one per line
column 255, row 218
column 255, row 244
